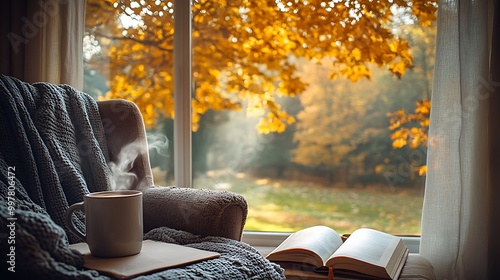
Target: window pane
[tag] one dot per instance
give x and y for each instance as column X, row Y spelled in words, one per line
column 283, row 109
column 341, row 163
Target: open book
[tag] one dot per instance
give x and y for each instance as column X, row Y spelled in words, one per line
column 367, row 253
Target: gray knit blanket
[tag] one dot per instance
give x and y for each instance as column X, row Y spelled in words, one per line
column 52, row 152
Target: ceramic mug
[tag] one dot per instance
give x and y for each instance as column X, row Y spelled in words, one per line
column 113, row 222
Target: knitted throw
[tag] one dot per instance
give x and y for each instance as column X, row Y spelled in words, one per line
column 52, row 152
column 53, row 136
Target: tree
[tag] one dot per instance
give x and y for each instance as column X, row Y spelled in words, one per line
column 243, row 50
column 329, row 125
column 275, row 156
column 335, row 132
column 411, row 129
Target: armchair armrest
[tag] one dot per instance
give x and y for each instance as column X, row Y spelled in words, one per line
column 198, row 211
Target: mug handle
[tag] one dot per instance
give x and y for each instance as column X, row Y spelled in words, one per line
column 69, row 221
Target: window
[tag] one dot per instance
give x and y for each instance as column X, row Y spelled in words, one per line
column 270, row 123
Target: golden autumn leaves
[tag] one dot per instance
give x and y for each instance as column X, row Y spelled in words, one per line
column 243, row 50
column 410, row 129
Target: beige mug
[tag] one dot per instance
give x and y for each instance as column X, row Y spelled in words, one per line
column 113, row 222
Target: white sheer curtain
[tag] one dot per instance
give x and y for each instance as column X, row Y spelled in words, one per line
column 46, row 37
column 455, row 219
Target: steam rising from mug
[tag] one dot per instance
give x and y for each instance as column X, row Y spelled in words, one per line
column 121, row 177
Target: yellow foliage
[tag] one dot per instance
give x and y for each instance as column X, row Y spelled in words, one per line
column 413, row 136
column 422, row 170
column 241, row 50
column 356, row 54
column 399, row 143
column 274, row 123
column 329, row 126
column 398, row 68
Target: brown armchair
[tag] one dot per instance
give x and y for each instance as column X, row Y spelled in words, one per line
column 199, row 211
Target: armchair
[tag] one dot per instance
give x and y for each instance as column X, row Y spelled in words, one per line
column 199, row 211
column 56, row 146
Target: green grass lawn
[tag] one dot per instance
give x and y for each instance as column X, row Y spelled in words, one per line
column 278, row 205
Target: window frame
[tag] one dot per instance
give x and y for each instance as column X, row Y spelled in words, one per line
column 263, row 241
column 182, row 93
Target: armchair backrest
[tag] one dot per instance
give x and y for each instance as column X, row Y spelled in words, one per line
column 123, row 124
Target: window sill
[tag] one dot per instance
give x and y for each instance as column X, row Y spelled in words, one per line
column 264, row 242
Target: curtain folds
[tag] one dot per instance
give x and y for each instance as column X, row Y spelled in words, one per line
column 45, row 41
column 494, row 148
column 455, row 218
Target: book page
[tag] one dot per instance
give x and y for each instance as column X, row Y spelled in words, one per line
column 377, row 252
column 311, row 245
